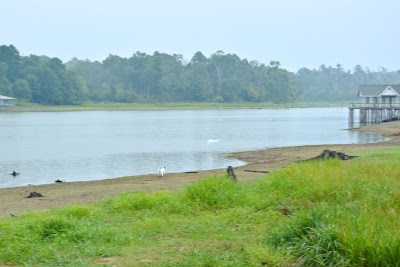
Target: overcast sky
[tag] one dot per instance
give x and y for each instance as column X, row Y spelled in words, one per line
column 298, row 33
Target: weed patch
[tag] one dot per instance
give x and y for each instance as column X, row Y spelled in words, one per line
column 330, row 213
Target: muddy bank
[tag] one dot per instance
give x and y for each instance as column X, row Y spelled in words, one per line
column 15, row 201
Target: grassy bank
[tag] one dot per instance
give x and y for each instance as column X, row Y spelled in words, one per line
column 337, row 213
column 162, row 105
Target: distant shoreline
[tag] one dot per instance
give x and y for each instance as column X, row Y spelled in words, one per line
column 171, row 106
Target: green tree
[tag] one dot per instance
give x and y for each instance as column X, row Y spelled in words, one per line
column 5, row 86
column 280, row 83
column 199, row 58
column 10, row 56
column 50, row 84
column 199, row 86
column 231, row 89
column 21, row 90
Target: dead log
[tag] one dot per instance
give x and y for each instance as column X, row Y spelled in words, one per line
column 256, row 171
column 231, row 174
column 331, row 154
column 34, row 194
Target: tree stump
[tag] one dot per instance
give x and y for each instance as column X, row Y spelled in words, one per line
column 231, row 174
column 34, row 194
column 328, row 154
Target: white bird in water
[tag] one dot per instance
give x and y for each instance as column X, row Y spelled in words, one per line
column 213, row 141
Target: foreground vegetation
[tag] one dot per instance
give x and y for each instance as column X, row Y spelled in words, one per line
column 336, row 213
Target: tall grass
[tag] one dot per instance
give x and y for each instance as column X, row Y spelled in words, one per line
column 214, row 193
column 347, row 214
column 315, row 213
column 62, row 237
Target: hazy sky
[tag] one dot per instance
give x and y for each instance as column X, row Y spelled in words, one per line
column 298, row 33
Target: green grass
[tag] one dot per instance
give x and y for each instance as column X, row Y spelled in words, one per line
column 167, row 105
column 334, row 213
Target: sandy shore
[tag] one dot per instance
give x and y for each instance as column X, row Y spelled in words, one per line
column 14, row 201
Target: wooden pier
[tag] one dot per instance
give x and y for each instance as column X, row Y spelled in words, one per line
column 6, row 103
column 379, row 103
column 375, row 113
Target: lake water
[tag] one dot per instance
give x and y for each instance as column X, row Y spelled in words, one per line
column 94, row 145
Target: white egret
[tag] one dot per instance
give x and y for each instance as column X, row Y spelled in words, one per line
column 161, row 172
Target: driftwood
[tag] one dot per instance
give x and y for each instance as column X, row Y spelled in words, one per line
column 256, row 171
column 34, row 194
column 231, row 174
column 330, row 154
column 392, row 119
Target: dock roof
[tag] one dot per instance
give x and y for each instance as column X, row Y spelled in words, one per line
column 5, row 97
column 376, row 90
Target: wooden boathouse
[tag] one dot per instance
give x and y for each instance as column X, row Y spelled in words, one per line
column 378, row 103
column 6, row 102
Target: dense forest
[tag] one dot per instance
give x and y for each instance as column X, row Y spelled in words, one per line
column 169, row 78
column 336, row 84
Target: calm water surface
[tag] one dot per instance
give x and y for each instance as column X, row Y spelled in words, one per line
column 94, row 145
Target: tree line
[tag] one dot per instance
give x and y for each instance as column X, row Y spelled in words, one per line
column 38, row 79
column 162, row 77
column 336, row 84
column 169, row 78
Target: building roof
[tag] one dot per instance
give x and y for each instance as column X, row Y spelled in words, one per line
column 5, row 97
column 378, row 90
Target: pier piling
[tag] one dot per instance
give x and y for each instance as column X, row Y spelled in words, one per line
column 375, row 113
